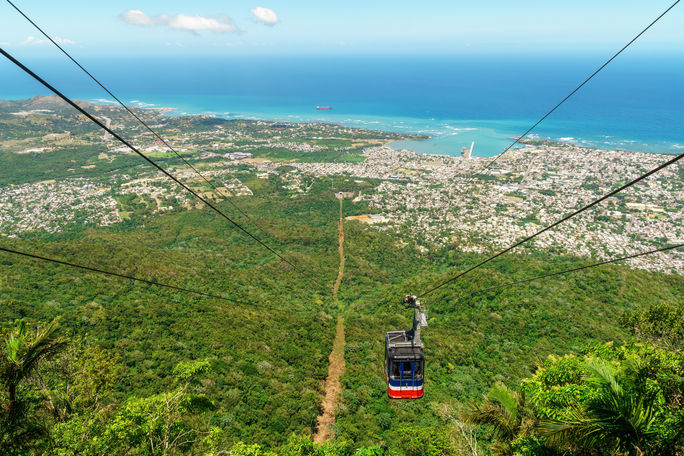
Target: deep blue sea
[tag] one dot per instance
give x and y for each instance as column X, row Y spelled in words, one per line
column 636, row 103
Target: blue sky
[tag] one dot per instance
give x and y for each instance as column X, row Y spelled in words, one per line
column 172, row 27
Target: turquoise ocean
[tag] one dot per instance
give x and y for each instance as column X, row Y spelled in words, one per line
column 636, row 103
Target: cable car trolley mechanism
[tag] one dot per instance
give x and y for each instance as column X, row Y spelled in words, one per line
column 404, row 363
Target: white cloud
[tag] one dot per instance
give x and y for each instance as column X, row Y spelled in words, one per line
column 59, row 40
column 194, row 24
column 265, row 15
column 137, row 17
column 33, row 41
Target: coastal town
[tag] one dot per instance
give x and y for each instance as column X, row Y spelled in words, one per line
column 451, row 201
column 461, row 202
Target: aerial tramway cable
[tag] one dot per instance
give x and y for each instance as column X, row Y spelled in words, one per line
column 145, row 281
column 588, row 206
column 121, row 276
column 558, row 222
column 142, row 122
column 517, row 140
column 568, row 271
column 147, row 159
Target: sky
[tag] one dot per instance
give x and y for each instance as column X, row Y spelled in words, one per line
column 209, row 27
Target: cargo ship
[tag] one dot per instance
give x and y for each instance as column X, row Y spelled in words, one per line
column 324, row 108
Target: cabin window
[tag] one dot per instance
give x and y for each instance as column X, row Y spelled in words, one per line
column 419, row 370
column 406, row 371
column 394, row 370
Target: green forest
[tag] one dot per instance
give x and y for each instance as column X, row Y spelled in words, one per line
column 584, row 364
column 588, row 363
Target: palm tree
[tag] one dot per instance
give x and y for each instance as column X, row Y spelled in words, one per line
column 24, row 352
column 617, row 421
column 506, row 412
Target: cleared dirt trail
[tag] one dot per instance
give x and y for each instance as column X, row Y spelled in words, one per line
column 336, row 360
column 332, row 385
column 340, row 271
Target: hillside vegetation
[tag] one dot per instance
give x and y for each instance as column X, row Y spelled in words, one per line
column 220, row 373
column 583, row 364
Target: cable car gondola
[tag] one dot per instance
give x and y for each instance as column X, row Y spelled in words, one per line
column 404, row 363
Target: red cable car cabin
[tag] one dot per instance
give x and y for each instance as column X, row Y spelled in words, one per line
column 404, row 363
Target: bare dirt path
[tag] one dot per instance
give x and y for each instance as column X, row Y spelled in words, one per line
column 340, row 271
column 336, row 359
column 332, row 385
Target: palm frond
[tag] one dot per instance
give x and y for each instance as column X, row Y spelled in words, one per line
column 575, row 430
column 24, row 352
column 15, row 342
column 603, row 373
column 492, row 414
column 501, row 394
column 46, row 344
column 615, row 420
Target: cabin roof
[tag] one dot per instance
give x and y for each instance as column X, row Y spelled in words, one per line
column 401, row 344
column 406, row 353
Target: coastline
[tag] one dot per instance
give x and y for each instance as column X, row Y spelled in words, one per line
column 416, row 196
column 447, row 136
column 442, row 136
column 384, row 93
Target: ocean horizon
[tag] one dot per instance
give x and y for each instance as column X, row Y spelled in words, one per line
column 635, row 104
